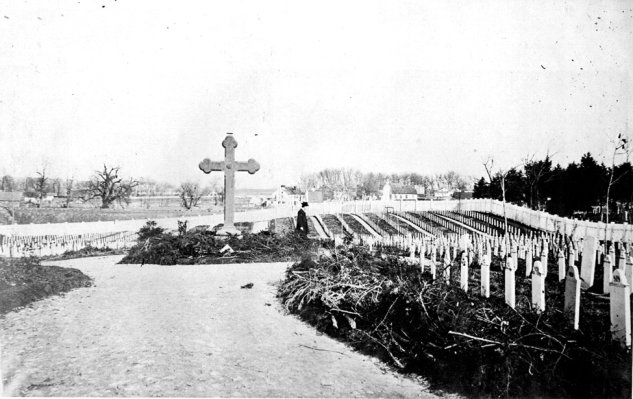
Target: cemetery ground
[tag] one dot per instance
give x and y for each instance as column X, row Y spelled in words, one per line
column 377, row 303
column 181, row 331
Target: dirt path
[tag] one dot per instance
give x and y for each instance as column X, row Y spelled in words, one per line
column 180, row 331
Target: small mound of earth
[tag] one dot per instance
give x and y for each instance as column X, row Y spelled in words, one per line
column 25, row 280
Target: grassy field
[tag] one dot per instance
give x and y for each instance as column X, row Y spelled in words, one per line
column 76, row 215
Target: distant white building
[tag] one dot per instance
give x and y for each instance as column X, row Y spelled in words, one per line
column 292, row 196
column 443, row 194
column 397, row 191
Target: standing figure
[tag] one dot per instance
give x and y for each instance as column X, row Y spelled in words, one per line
column 302, row 220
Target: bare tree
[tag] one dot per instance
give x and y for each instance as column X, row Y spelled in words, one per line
column 488, row 164
column 40, row 181
column 109, row 187
column 7, row 183
column 461, row 184
column 428, row 183
column 190, row 194
column 350, row 179
column 307, row 181
column 536, row 173
column 69, row 189
column 214, row 185
column 621, row 147
column 331, row 178
column 56, row 186
column 451, row 179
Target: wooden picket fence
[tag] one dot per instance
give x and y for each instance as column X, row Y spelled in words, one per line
column 49, row 245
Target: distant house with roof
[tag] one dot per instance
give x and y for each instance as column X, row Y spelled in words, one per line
column 288, row 195
column 421, row 190
column 256, row 197
column 442, row 194
column 395, row 191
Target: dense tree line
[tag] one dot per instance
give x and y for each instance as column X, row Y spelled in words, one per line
column 563, row 191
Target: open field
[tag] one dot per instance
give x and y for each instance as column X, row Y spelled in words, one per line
column 77, row 215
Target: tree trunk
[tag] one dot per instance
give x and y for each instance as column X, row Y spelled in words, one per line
column 503, row 192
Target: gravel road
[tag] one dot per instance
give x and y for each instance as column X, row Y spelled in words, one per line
column 181, row 331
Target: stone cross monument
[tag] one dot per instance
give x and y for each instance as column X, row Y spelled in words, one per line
column 229, row 166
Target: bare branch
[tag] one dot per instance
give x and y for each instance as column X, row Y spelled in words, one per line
column 109, row 187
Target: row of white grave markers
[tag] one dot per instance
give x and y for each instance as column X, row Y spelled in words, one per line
column 619, row 290
column 396, row 224
column 420, row 221
column 373, row 225
column 19, row 246
column 535, row 254
column 535, row 249
column 469, row 220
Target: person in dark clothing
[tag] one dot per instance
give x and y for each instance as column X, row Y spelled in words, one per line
column 302, row 219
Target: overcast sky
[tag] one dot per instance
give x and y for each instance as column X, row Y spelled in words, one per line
column 388, row 86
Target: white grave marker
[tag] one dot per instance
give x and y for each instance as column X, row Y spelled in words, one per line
column 587, row 270
column 485, row 275
column 529, row 259
column 607, row 274
column 572, row 295
column 620, row 307
column 561, row 265
column 463, row 273
column 510, row 268
column 538, row 287
column 463, row 242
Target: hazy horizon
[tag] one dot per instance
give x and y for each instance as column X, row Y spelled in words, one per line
column 394, row 87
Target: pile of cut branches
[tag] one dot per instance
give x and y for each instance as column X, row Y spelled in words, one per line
column 460, row 342
column 157, row 246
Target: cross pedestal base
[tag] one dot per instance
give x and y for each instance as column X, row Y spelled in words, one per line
column 228, row 231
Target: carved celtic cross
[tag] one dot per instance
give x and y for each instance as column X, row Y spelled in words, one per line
column 229, row 166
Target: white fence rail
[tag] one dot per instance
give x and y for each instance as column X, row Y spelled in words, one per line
column 536, row 219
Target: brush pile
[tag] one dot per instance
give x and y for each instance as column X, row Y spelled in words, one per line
column 459, row 341
column 157, row 246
